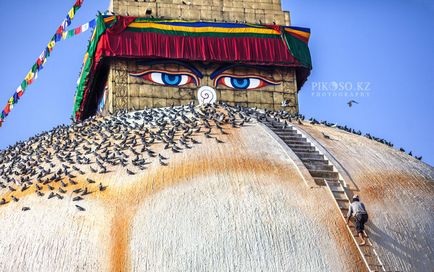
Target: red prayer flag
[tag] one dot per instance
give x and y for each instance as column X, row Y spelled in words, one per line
column 7, row 109
column 78, row 3
column 77, row 30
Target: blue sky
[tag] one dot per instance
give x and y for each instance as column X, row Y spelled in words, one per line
column 381, row 49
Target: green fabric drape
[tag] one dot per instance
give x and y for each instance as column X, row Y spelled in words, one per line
column 299, row 50
column 87, row 66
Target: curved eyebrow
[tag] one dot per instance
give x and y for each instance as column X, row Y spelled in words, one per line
column 190, row 67
column 224, row 68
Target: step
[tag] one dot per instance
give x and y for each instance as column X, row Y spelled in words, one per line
column 336, row 187
column 319, row 181
column 321, row 167
column 324, row 174
column 342, row 199
column 302, row 150
column 306, row 147
column 344, row 206
column 317, row 161
column 309, row 155
column 302, row 144
column 284, row 130
column 291, row 137
column 273, row 124
column 315, row 152
column 339, row 194
column 281, row 132
column 287, row 133
column 301, row 141
column 344, row 210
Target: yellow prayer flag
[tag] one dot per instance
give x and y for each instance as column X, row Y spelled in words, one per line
column 51, row 44
column 29, row 76
column 71, row 13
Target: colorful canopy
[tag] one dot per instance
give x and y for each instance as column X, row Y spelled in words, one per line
column 131, row 37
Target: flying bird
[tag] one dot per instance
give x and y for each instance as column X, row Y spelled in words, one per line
column 350, row 103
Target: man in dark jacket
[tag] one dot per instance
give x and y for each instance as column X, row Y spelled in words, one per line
column 357, row 209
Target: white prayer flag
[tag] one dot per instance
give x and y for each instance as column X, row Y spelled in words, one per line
column 84, row 27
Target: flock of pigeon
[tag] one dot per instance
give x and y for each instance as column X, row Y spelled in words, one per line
column 53, row 164
column 283, row 116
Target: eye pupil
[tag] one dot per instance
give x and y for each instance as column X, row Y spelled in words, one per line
column 240, row 83
column 173, row 80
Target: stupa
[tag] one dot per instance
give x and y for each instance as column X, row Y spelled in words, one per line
column 189, row 154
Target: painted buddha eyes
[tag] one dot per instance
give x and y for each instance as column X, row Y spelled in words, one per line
column 168, row 78
column 243, row 82
column 182, row 78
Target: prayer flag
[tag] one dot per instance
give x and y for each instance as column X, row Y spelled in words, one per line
column 24, row 85
column 7, row 109
column 29, row 76
column 71, row 14
column 84, row 27
column 92, row 23
column 16, row 98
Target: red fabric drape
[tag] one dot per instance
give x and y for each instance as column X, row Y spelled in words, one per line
column 260, row 51
column 121, row 24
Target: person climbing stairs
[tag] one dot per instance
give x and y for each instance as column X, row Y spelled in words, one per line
column 325, row 174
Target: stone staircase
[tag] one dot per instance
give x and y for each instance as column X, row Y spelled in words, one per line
column 319, row 167
column 324, row 174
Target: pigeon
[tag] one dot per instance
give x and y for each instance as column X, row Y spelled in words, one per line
column 350, row 103
column 101, row 187
column 90, row 180
column 81, row 209
column 326, row 136
column 299, row 121
column 163, row 162
column 218, row 141
column 77, row 198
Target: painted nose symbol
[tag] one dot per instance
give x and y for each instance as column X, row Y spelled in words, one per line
column 206, row 95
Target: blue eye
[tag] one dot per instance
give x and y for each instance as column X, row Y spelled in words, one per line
column 172, row 80
column 247, row 82
column 166, row 78
column 240, row 83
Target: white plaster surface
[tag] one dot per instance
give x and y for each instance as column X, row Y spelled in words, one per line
column 237, row 206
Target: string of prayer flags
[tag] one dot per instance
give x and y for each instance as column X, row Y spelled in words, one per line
column 78, row 30
column 42, row 59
